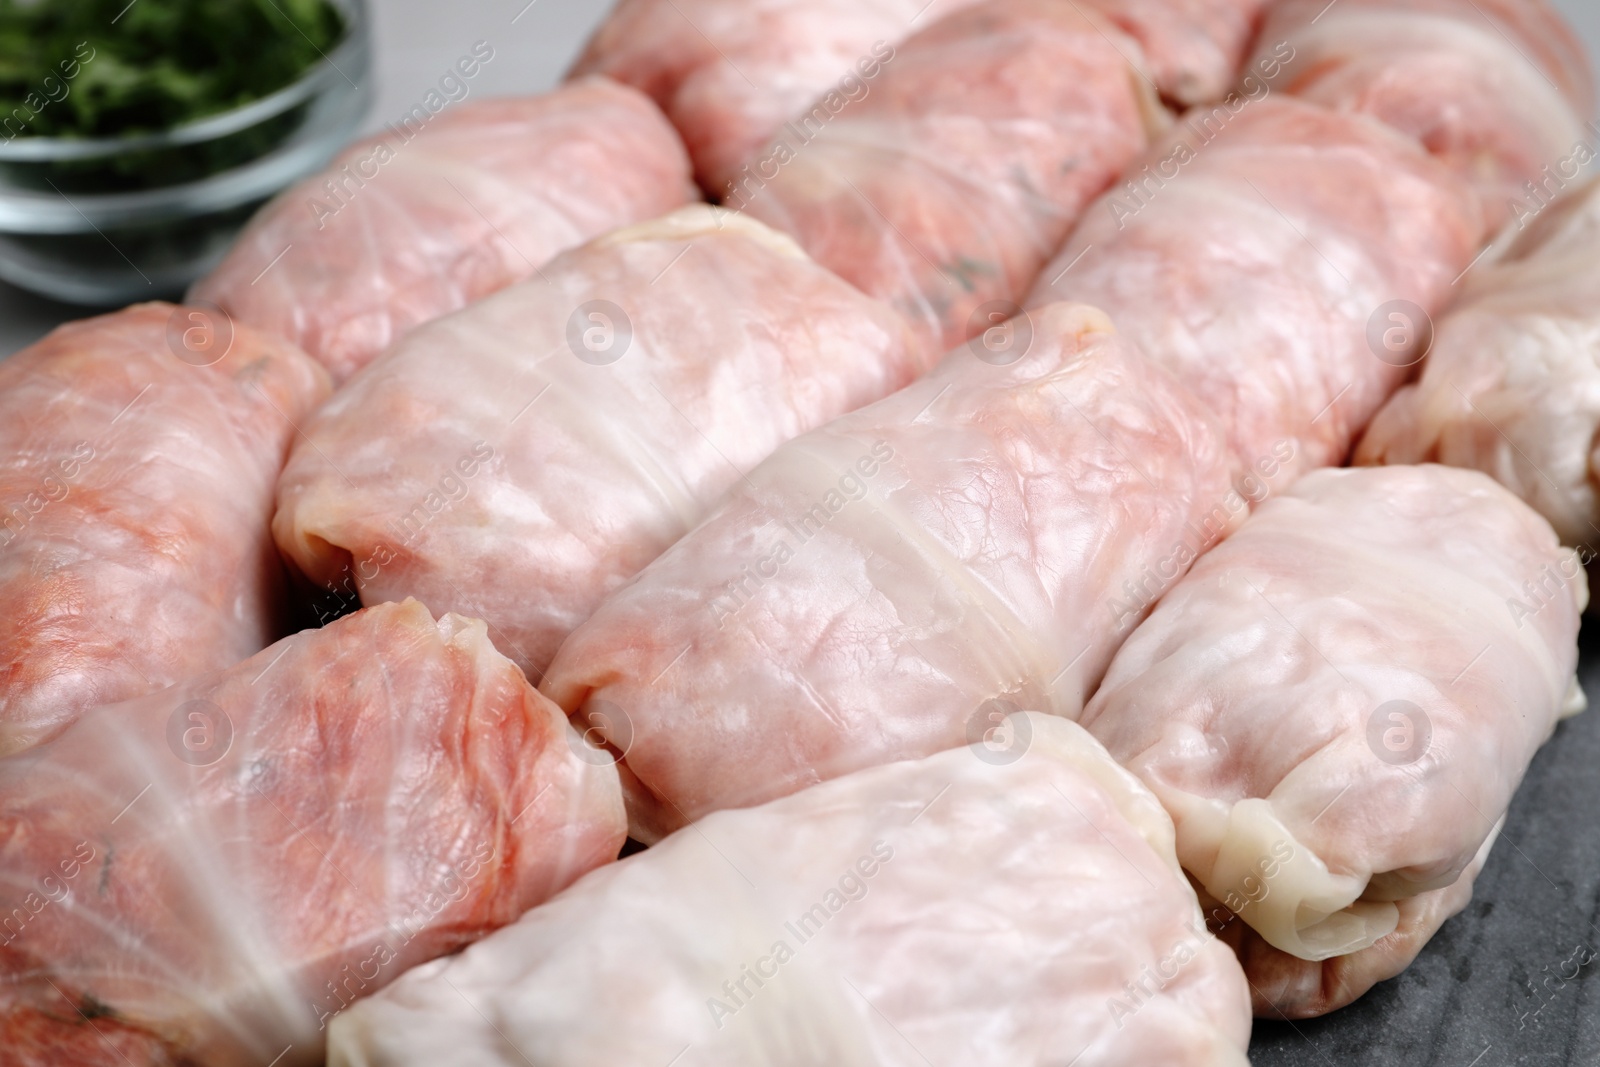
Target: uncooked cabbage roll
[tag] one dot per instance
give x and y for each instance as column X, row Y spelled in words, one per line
column 1512, row 385
column 1280, row 259
column 731, row 73
column 1337, row 703
column 518, row 460
column 1018, row 909
column 138, row 454
column 1500, row 90
column 878, row 588
column 945, row 189
column 435, row 213
column 211, row 874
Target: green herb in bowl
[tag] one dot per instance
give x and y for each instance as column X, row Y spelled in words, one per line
column 110, row 70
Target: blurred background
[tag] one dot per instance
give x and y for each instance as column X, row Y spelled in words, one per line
column 414, row 41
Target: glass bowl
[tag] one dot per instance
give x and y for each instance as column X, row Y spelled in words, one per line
column 80, row 222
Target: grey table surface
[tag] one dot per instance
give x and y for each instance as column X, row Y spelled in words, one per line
column 1500, row 985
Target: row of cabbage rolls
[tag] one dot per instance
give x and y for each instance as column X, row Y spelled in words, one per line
column 943, row 536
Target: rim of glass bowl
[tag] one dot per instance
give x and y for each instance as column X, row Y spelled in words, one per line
column 42, row 212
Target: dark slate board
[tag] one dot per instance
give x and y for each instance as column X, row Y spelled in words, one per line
column 1504, row 982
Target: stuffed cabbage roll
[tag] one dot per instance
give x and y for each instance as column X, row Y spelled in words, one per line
column 435, row 213
column 1512, row 385
column 1498, row 89
column 731, row 73
column 879, row 587
column 138, row 454
column 212, row 873
column 946, row 188
column 1281, row 260
column 522, row 458
column 1337, row 703
column 1024, row 911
